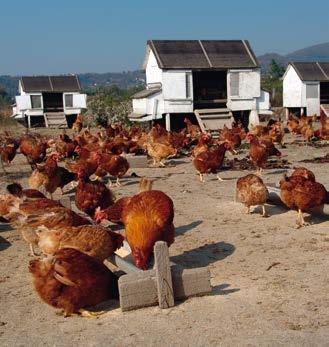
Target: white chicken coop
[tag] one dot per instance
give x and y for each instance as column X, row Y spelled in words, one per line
column 208, row 80
column 306, row 88
column 53, row 101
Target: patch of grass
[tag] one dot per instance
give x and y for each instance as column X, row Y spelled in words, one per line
column 6, row 121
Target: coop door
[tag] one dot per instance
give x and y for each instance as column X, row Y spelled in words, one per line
column 23, row 102
column 80, row 101
column 312, row 99
column 244, row 84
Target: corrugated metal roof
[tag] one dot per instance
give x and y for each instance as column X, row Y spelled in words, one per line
column 310, row 71
column 36, row 84
column 325, row 68
column 145, row 93
column 203, row 54
column 50, row 83
column 228, row 54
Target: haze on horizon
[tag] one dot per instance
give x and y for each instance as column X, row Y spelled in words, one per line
column 41, row 37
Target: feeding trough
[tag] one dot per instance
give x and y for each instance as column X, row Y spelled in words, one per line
column 161, row 285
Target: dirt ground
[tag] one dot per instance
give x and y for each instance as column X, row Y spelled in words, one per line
column 251, row 303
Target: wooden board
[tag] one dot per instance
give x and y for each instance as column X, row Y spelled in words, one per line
column 163, row 275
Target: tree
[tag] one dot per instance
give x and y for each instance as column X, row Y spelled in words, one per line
column 272, row 82
column 276, row 70
column 110, row 104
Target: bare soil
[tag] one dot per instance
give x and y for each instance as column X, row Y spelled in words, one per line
column 270, row 281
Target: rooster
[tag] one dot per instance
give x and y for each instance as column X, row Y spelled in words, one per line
column 71, row 281
column 233, row 138
column 259, row 152
column 17, row 190
column 94, row 240
column 54, row 176
column 65, row 146
column 210, row 161
column 91, row 194
column 27, row 217
column 159, row 152
column 114, row 212
column 34, row 148
column 8, row 149
column 301, row 192
column 77, row 125
column 115, row 165
column 148, row 218
column 192, row 129
column 252, row 191
column 202, row 144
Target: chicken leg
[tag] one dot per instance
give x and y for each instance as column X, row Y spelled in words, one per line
column 201, row 177
column 219, row 178
column 300, row 220
column 264, row 214
column 33, row 254
column 3, row 167
column 259, row 171
column 118, row 184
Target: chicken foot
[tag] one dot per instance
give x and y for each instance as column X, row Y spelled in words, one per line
column 118, row 184
column 3, row 167
column 32, row 251
column 201, row 177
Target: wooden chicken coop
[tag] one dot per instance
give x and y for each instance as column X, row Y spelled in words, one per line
column 306, row 88
column 207, row 80
column 50, row 101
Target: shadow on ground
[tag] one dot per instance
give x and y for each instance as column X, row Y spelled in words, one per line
column 4, row 244
column 221, row 289
column 204, row 255
column 185, row 228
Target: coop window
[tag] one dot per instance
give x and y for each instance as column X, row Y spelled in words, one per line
column 68, row 100
column 188, row 83
column 36, row 101
column 312, row 91
column 235, row 84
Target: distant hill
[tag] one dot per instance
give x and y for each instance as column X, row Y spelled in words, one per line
column 128, row 79
column 313, row 53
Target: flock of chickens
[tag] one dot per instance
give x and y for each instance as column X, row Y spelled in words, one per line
column 71, row 274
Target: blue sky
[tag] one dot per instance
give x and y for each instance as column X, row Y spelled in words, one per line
column 41, row 37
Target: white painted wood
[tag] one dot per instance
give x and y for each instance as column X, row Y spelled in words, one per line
column 23, row 102
column 79, row 101
column 153, row 72
column 168, row 122
column 174, row 84
column 292, row 89
column 312, row 98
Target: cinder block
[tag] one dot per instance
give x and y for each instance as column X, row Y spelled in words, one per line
column 138, row 290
